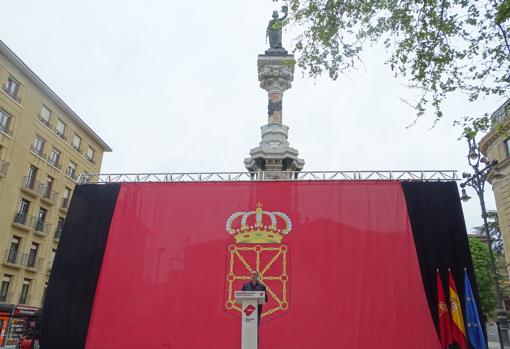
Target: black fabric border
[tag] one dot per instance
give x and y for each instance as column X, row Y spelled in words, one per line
column 439, row 231
column 72, row 284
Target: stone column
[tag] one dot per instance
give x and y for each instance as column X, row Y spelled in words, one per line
column 274, row 154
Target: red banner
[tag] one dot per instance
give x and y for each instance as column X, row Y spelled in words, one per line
column 338, row 260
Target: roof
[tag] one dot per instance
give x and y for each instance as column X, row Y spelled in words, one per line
column 19, row 64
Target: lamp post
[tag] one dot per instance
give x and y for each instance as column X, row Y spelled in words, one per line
column 482, row 168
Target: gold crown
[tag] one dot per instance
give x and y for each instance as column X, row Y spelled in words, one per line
column 258, row 226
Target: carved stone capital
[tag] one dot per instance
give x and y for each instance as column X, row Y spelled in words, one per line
column 276, row 72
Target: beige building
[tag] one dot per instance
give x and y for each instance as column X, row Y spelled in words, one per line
column 44, row 146
column 496, row 146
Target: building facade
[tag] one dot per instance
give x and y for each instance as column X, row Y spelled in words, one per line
column 496, row 146
column 44, row 146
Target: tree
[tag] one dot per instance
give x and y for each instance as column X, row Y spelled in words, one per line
column 438, row 46
column 481, row 264
column 494, row 232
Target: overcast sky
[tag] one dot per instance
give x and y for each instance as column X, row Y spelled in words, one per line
column 172, row 86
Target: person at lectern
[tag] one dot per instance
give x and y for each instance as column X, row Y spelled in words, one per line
column 255, row 285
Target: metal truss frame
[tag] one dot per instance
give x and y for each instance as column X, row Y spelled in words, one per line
column 399, row 175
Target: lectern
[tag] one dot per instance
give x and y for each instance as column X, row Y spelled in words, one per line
column 249, row 327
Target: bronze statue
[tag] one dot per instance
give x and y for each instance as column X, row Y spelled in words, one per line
column 274, row 31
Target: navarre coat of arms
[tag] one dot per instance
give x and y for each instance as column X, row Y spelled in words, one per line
column 258, row 237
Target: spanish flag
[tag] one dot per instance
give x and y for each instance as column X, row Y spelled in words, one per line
column 458, row 330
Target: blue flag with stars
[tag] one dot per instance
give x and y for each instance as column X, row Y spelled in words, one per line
column 474, row 327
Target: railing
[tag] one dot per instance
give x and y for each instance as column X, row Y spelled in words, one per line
column 55, row 164
column 60, row 134
column 44, row 121
column 6, row 297
column 501, row 113
column 58, row 233
column 4, row 167
column 49, row 194
column 33, row 262
column 78, row 149
column 24, row 219
column 71, row 174
column 25, row 300
column 6, row 130
column 404, row 175
column 14, row 257
column 41, row 226
column 91, row 160
column 38, row 152
column 14, row 96
column 65, row 203
column 31, row 184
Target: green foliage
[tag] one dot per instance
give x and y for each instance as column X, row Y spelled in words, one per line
column 438, row 46
column 481, row 264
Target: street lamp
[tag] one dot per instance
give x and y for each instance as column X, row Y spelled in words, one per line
column 477, row 182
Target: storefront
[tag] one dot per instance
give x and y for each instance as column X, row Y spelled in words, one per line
column 5, row 313
column 19, row 318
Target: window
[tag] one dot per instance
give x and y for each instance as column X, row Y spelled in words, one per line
column 38, row 146
column 44, row 293
column 31, row 176
column 32, row 255
column 54, row 158
column 13, row 250
column 60, row 227
column 5, row 122
column 507, row 146
column 45, row 115
column 60, row 129
column 48, row 188
column 90, row 154
column 41, row 218
column 6, row 282
column 12, row 88
column 71, row 170
column 23, row 298
column 66, row 197
column 76, row 142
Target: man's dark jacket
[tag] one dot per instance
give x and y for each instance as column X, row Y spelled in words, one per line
column 257, row 287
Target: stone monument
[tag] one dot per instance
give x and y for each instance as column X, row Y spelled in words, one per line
column 276, row 72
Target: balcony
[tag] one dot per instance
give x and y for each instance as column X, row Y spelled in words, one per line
column 12, row 92
column 44, row 121
column 55, row 164
column 23, row 221
column 14, row 258
column 49, row 196
column 38, row 152
column 24, row 299
column 31, row 186
column 65, row 204
column 33, row 263
column 71, row 174
column 4, row 167
column 41, row 228
column 5, row 130
column 60, row 134
column 58, row 233
column 91, row 160
column 7, row 298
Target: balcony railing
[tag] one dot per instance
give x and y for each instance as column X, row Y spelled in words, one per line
column 5, row 298
column 5, row 130
column 55, row 163
column 16, row 258
column 24, row 219
column 71, row 174
column 91, row 160
column 39, row 152
column 58, row 233
column 4, row 167
column 42, row 227
column 44, row 121
column 24, row 300
column 31, row 184
column 13, row 95
column 48, row 194
column 60, row 134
